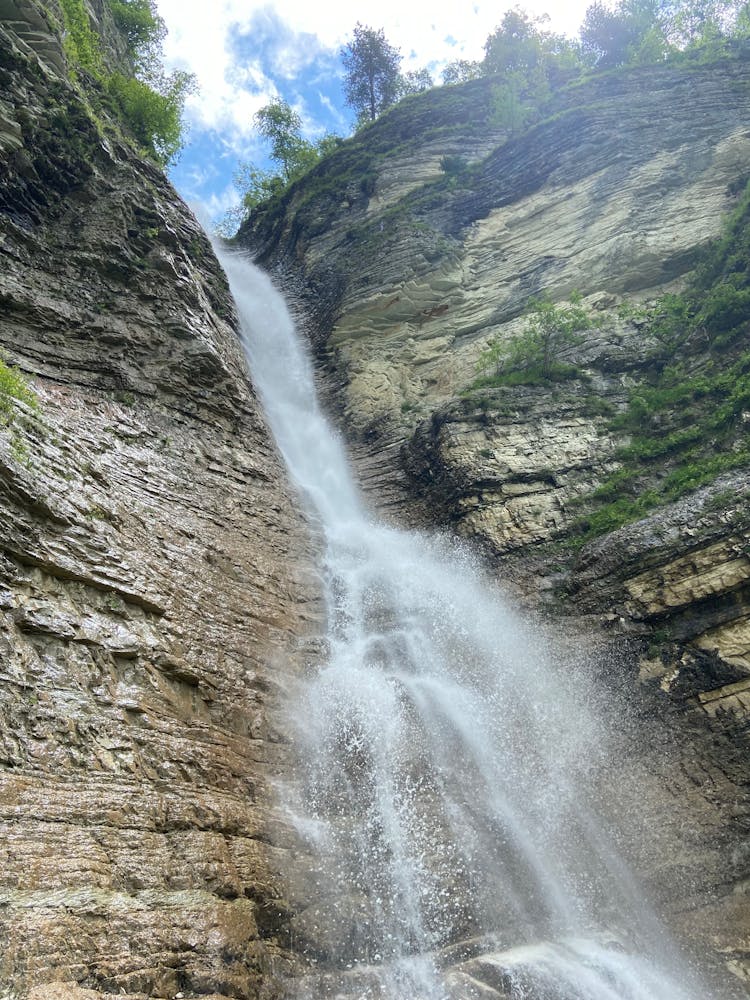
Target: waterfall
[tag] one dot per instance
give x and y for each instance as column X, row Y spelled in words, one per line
column 448, row 759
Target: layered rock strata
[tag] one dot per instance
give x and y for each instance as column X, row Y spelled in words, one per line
column 407, row 274
column 154, row 584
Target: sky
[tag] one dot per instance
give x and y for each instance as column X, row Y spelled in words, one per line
column 244, row 53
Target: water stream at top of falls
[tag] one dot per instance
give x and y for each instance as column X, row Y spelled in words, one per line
column 445, row 758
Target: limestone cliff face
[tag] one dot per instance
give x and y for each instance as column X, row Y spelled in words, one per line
column 153, row 572
column 406, row 273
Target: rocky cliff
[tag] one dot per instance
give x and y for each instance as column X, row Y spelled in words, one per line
column 154, row 579
column 421, row 242
column 155, row 588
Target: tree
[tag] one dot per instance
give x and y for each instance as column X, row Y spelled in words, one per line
column 152, row 106
column 633, row 32
column 516, row 45
column 704, row 24
column 282, row 126
column 534, row 352
column 372, row 79
column 530, row 60
column 416, row 81
column 461, row 70
column 142, row 28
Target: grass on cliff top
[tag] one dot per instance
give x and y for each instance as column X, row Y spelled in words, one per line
column 691, row 420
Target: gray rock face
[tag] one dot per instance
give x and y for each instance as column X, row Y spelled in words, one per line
column 154, row 580
column 406, row 275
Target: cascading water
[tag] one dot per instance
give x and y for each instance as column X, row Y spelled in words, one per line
column 446, row 758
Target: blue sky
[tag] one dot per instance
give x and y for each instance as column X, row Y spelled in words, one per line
column 244, row 53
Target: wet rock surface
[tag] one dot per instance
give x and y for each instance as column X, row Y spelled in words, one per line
column 154, row 575
column 405, row 276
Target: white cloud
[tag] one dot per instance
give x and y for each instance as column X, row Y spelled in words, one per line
column 199, row 41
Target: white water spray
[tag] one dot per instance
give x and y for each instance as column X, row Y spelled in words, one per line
column 445, row 758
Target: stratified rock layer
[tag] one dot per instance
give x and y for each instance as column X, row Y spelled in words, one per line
column 407, row 273
column 153, row 574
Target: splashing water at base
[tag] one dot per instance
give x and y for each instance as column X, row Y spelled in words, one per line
column 447, row 759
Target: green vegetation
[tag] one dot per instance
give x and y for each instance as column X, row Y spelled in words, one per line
column 80, row 42
column 139, row 24
column 453, row 165
column 639, row 32
column 461, row 71
column 14, row 389
column 372, row 73
column 532, row 357
column 153, row 111
column 526, row 64
column 281, row 126
column 148, row 101
column 691, row 422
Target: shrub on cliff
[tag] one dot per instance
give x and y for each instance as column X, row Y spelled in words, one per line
column 13, row 389
column 80, row 42
column 153, row 111
column 148, row 100
column 140, row 25
column 534, row 355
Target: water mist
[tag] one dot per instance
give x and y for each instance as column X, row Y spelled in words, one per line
column 445, row 758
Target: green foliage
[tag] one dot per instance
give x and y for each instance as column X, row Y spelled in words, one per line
column 623, row 34
column 532, row 357
column 14, row 389
column 462, row 70
column 512, row 108
column 415, row 81
column 150, row 102
column 453, row 164
column 80, row 41
column 280, row 125
column 533, row 61
column 140, row 25
column 536, row 59
column 372, row 80
column 716, row 306
column 636, row 32
column 153, row 111
column 691, row 423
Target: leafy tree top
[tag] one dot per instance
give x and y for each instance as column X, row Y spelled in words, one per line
column 373, row 80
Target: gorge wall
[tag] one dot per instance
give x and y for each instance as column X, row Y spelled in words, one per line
column 154, row 570
column 155, row 582
column 423, row 239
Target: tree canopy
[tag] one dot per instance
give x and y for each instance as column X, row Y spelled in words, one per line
column 373, row 79
column 281, row 126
